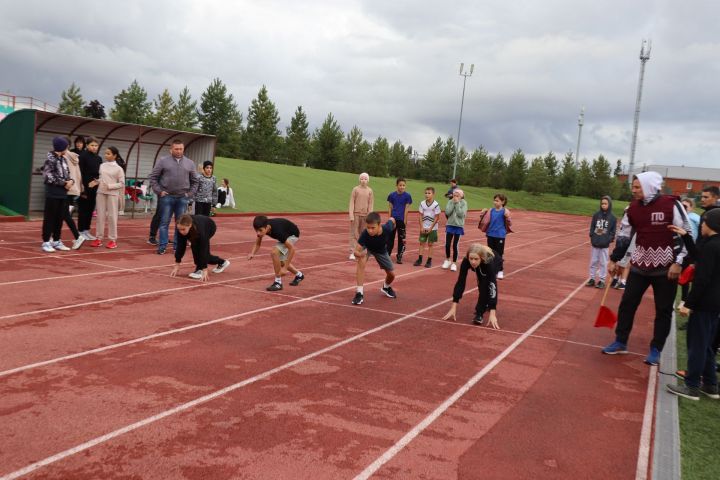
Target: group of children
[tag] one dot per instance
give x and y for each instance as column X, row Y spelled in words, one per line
column 97, row 186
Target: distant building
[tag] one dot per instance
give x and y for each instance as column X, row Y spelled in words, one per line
column 683, row 181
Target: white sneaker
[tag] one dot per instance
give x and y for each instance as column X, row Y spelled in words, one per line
column 197, row 275
column 88, row 235
column 500, row 275
column 60, row 246
column 351, row 257
column 47, row 247
column 445, row 265
column 78, row 243
column 121, row 212
column 453, row 268
column 221, row 268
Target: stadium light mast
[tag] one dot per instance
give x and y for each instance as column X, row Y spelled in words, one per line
column 465, row 74
column 645, row 48
column 581, row 121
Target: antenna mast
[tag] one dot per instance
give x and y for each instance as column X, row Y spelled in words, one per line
column 581, row 119
column 645, row 48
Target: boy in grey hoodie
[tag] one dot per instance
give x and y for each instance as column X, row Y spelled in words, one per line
column 602, row 234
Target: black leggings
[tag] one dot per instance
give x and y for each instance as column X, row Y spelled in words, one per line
column 498, row 246
column 69, row 220
column 53, row 218
column 454, row 238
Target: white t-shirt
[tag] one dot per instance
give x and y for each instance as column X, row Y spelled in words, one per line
column 428, row 213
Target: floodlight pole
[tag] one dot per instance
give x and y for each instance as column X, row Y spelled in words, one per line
column 581, row 120
column 644, row 57
column 465, row 75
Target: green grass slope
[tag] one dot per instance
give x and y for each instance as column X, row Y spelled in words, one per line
column 268, row 187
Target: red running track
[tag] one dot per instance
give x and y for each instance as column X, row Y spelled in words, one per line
column 113, row 369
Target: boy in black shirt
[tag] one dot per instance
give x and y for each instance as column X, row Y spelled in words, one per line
column 286, row 233
column 373, row 241
column 199, row 230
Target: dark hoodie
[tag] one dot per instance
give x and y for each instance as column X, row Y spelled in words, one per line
column 602, row 226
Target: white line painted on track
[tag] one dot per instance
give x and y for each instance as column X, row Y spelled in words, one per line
column 239, row 315
column 643, row 465
column 206, row 398
column 450, row 401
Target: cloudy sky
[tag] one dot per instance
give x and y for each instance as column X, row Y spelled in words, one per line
column 391, row 67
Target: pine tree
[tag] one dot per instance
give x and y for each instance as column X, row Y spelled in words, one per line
column 498, row 168
column 480, row 165
column 297, row 142
column 262, row 137
column 164, row 111
column 432, row 163
column 585, row 183
column 327, row 145
column 602, row 178
column 447, row 161
column 219, row 116
column 131, row 105
column 551, row 167
column 94, row 109
column 536, row 181
column 516, row 171
column 568, row 176
column 400, row 162
column 618, row 168
column 379, row 158
column 185, row 115
column 71, row 102
column 355, row 152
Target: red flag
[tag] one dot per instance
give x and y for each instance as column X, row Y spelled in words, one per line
column 605, row 317
column 687, row 275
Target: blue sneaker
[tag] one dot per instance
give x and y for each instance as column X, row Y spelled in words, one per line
column 653, row 357
column 615, row 348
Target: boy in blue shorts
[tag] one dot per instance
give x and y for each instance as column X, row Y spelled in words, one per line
column 373, row 241
column 429, row 218
column 398, row 202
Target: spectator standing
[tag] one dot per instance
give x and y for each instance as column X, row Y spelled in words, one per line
column 175, row 181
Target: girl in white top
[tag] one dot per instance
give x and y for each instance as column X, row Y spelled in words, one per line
column 111, row 186
column 224, row 191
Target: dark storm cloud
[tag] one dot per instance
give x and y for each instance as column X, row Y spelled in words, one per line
column 392, row 67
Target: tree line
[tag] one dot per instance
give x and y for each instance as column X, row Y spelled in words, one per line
column 329, row 148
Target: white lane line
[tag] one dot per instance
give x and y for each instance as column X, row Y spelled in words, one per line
column 212, row 322
column 131, row 270
column 443, row 407
column 643, row 465
column 185, row 406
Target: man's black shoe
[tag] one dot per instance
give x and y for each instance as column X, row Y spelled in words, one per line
column 296, row 281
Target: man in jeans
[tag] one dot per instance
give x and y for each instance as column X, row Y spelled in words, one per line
column 174, row 180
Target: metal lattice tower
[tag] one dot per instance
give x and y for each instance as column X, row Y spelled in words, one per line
column 645, row 48
column 581, row 121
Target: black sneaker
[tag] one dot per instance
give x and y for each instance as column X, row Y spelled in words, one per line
column 418, row 262
column 600, row 284
column 388, row 291
column 358, row 298
column 274, row 287
column 399, row 260
column 590, row 283
column 710, row 391
column 620, row 286
column 152, row 241
column 161, row 251
column 614, row 283
column 296, row 281
column 684, row 391
column 477, row 319
column 428, row 264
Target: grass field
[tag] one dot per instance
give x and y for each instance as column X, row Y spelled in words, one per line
column 268, row 187
column 699, row 425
